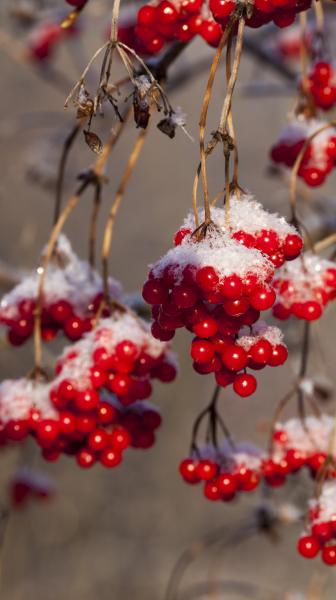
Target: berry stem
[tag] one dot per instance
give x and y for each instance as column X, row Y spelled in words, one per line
column 68, row 143
column 107, row 239
column 97, row 198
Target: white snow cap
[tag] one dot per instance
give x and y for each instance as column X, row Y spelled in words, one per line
column 19, row 396
column 326, row 503
column 241, row 454
column 77, row 358
column 311, row 436
column 219, row 251
column 304, row 273
column 260, row 331
column 246, row 214
column 72, row 280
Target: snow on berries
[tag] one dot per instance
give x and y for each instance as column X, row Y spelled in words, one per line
column 71, row 297
column 298, row 445
column 224, row 471
column 322, row 85
column 216, row 285
column 254, row 227
column 319, row 538
column 304, row 288
column 96, row 433
column 120, row 355
column 319, row 158
column 162, row 22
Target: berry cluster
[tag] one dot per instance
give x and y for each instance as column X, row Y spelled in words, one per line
column 319, row 157
column 96, row 434
column 322, row 85
column 254, row 227
column 304, row 288
column 72, row 295
column 27, row 485
column 120, row 355
column 224, row 471
column 164, row 21
column 216, row 285
column 298, row 445
column 320, row 534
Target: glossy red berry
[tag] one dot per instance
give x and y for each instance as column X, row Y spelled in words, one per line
column 188, row 470
column 202, row 351
column 308, row 546
column 261, row 352
column 86, row 400
column 244, row 385
column 85, row 458
column 110, row 458
column 207, row 279
column 154, row 291
column 60, row 311
column 278, row 356
column 234, row 358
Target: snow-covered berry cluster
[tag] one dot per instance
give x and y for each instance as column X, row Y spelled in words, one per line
column 304, row 288
column 322, row 85
column 320, row 534
column 319, row 158
column 298, row 445
column 71, row 297
column 224, row 471
column 254, row 227
column 219, row 283
column 99, row 432
column 161, row 22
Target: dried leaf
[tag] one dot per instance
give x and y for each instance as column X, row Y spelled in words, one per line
column 167, row 127
column 93, row 141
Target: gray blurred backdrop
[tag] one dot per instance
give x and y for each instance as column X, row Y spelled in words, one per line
column 112, row 535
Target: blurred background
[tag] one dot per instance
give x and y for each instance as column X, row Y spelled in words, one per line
column 118, row 534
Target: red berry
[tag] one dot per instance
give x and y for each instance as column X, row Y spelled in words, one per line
column 85, row 458
column 227, row 484
column 73, row 328
column 234, row 358
column 262, row 298
column 278, row 356
column 267, row 241
column 184, row 296
column 211, row 32
column 97, row 440
column 154, row 291
column 188, row 470
column 313, row 176
column 236, row 308
column 231, row 287
column 86, row 400
column 67, row 423
column 222, row 8
column 322, row 72
column 107, row 414
column 147, row 15
column 166, row 12
column 311, row 310
column 60, row 311
column 120, row 438
column 308, row 546
column 322, row 532
column 16, row 431
column 110, row 458
column 207, row 279
column 206, row 470
column 180, row 235
column 202, row 351
column 47, row 431
column 211, row 491
column 261, row 352
column 161, row 334
column 244, row 385
column 206, row 328
column 329, row 555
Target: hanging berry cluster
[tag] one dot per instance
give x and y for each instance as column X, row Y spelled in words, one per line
column 305, row 288
column 162, row 22
column 72, row 295
column 217, row 285
column 319, row 537
column 322, row 85
column 320, row 154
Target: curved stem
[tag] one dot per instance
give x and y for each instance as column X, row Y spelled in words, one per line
column 325, row 243
column 61, row 168
column 93, row 224
column 233, row 78
column 204, row 114
column 69, row 207
column 107, row 239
